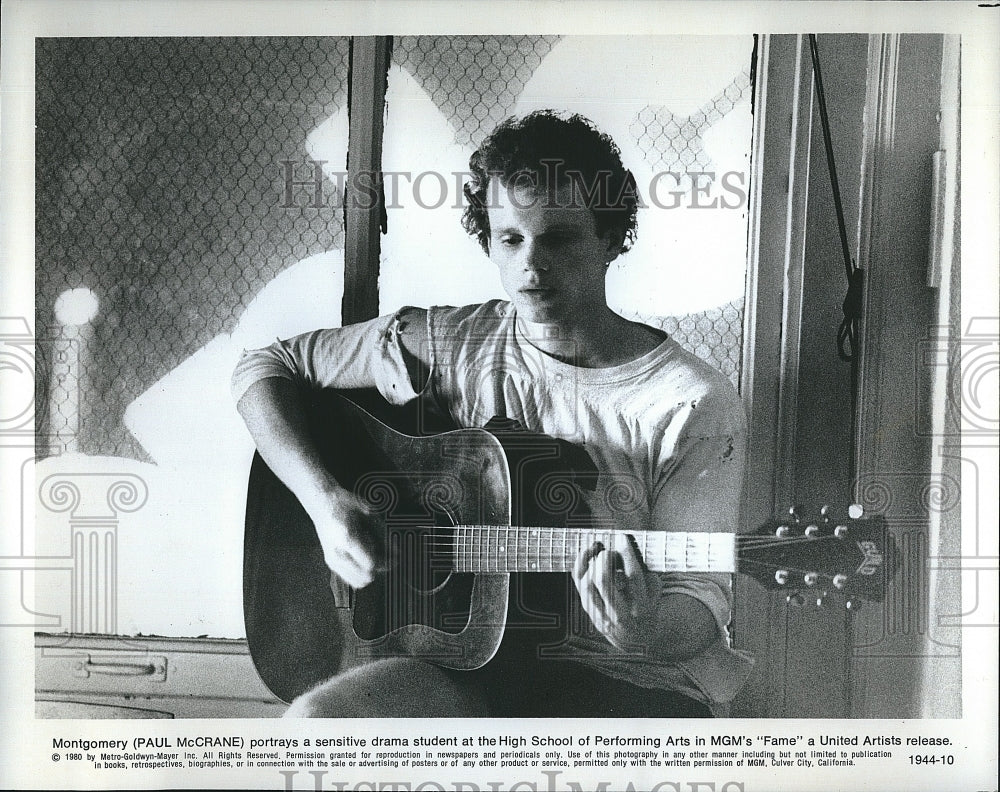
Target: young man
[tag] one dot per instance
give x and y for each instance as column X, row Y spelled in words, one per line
column 552, row 205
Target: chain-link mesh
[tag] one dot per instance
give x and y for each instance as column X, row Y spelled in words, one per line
column 159, row 188
column 474, row 80
column 714, row 335
column 675, row 143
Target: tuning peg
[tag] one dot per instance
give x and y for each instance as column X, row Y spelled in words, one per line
column 781, row 531
column 781, row 576
column 824, row 512
column 795, row 514
column 839, row 581
column 855, row 511
column 796, row 600
column 840, row 531
column 810, row 578
column 811, row 530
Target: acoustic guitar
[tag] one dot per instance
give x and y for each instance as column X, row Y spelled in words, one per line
column 475, row 520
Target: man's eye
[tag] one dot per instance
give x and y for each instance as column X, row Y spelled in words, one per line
column 510, row 241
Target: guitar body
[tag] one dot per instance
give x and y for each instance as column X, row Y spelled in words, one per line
column 481, row 528
column 304, row 625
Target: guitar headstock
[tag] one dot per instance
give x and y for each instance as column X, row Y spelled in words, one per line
column 851, row 555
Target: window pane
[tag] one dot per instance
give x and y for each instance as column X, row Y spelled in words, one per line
column 171, row 233
column 679, row 108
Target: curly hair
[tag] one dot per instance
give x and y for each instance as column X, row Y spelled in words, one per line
column 548, row 149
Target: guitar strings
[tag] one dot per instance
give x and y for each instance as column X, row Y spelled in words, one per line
column 449, row 539
column 460, row 541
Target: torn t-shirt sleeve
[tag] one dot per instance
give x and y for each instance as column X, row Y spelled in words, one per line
column 363, row 355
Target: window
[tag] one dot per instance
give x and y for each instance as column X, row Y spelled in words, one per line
column 188, row 206
column 179, row 220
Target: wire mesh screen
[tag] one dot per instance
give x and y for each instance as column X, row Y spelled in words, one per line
column 474, row 81
column 446, row 93
column 159, row 189
column 673, row 142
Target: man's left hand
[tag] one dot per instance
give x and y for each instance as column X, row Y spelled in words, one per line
column 618, row 593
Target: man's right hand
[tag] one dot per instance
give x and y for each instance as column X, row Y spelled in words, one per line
column 351, row 534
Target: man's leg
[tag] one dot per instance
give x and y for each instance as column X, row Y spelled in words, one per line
column 394, row 688
column 575, row 690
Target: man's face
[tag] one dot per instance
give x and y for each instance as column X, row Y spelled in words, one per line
column 552, row 262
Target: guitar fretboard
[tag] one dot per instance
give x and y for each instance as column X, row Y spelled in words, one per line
column 500, row 548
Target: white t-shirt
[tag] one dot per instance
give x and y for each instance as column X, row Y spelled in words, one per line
column 666, row 432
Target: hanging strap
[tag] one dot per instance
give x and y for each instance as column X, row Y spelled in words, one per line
column 847, row 335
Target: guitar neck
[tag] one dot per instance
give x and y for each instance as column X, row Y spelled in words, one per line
column 505, row 548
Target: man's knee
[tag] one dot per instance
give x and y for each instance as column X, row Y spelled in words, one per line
column 305, row 706
column 398, row 687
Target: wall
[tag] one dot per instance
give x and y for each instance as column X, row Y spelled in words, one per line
column 810, row 446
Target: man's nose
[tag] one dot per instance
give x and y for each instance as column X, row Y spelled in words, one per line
column 534, row 258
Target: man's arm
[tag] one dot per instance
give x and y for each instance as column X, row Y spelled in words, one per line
column 391, row 354
column 676, row 615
